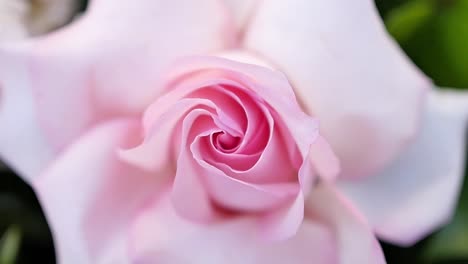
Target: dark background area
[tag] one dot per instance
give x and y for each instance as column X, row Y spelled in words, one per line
column 434, row 34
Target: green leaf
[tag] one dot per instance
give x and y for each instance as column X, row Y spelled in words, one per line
column 9, row 245
column 453, row 34
column 434, row 33
column 402, row 22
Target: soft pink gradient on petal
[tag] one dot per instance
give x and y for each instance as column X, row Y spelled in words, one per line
column 198, row 72
column 23, row 145
column 360, row 86
column 418, row 192
column 89, row 196
column 272, row 88
column 110, row 60
column 285, row 222
column 12, row 20
column 189, row 188
column 240, row 12
column 324, row 160
column 355, row 240
column 222, row 125
column 244, row 56
column 159, row 235
column 159, row 146
column 242, row 195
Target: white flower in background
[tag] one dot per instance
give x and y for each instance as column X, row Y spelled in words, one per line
column 46, row 15
column 23, row 18
column 12, row 14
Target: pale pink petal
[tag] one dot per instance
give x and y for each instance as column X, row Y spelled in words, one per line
column 355, row 240
column 146, row 44
column 347, row 72
column 244, row 56
column 267, row 167
column 205, row 185
column 284, row 222
column 159, row 149
column 240, row 12
column 235, row 194
column 189, row 188
column 280, row 202
column 418, row 192
column 265, row 84
column 109, row 61
column 325, row 162
column 205, row 86
column 162, row 117
column 89, row 196
column 258, row 148
column 271, row 86
column 22, row 142
column 12, row 20
column 159, row 235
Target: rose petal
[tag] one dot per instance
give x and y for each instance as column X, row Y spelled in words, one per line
column 265, row 139
column 12, row 20
column 284, row 222
column 89, row 196
column 245, row 56
column 356, row 242
column 271, row 86
column 189, row 188
column 110, row 60
column 198, row 87
column 192, row 73
column 334, row 233
column 235, row 194
column 268, row 167
column 157, row 149
column 347, row 72
column 231, row 115
column 160, row 236
column 324, row 160
column 429, row 172
column 240, row 12
column 202, row 183
column 282, row 203
column 22, row 143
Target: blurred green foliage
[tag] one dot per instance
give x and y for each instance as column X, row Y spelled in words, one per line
column 434, row 33
column 10, row 244
column 23, row 228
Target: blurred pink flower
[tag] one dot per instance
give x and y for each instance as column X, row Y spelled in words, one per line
column 167, row 132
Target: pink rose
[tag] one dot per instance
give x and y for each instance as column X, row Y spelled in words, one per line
column 169, row 132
